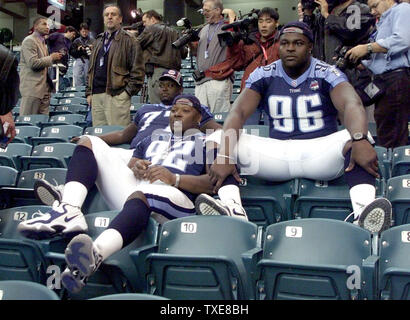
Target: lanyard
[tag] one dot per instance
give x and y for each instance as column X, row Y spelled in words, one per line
column 108, row 42
column 208, row 40
column 264, row 53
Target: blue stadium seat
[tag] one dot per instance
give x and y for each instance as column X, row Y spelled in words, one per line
column 394, row 263
column 327, row 199
column 220, row 117
column 31, row 120
column 8, row 176
column 23, row 193
column 66, row 119
column 72, row 108
column 20, row 258
column 96, row 131
column 55, row 155
column 198, row 259
column 267, row 202
column 130, row 296
column 398, row 193
column 400, row 161
column 25, row 290
column 311, row 258
column 258, row 130
column 74, row 100
column 26, row 132
column 59, row 133
column 12, row 154
column 384, row 158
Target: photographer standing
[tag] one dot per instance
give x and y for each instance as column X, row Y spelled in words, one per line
column 81, row 50
column 156, row 42
column 335, row 25
column 265, row 48
column 213, row 89
column 390, row 62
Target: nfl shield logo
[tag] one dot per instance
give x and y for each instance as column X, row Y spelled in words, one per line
column 314, row 85
column 294, row 83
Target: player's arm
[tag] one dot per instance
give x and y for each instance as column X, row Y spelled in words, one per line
column 244, row 106
column 210, row 125
column 122, row 136
column 353, row 116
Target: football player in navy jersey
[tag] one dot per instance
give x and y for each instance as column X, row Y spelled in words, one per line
column 148, row 118
column 303, row 98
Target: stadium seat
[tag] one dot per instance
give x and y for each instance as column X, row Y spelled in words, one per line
column 72, row 108
column 20, row 258
column 394, row 263
column 198, row 259
column 25, row 290
column 398, row 193
column 220, row 117
column 267, row 202
column 73, row 94
column 74, row 100
column 189, row 91
column 8, row 176
column 311, row 258
column 23, row 193
column 26, row 132
column 117, row 274
column 11, row 155
column 55, row 155
column 258, row 130
column 54, row 134
column 16, row 111
column 130, row 296
column 400, row 161
column 384, row 158
column 327, row 199
column 254, row 119
column 96, row 131
column 31, row 120
column 65, row 119
column 135, row 100
column 135, row 106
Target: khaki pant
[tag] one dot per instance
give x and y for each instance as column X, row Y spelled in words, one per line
column 33, row 105
column 215, row 94
column 111, row 110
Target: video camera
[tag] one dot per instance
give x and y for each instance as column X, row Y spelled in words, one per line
column 242, row 29
column 343, row 63
column 190, row 34
column 309, row 4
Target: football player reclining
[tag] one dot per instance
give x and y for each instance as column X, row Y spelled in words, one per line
column 168, row 171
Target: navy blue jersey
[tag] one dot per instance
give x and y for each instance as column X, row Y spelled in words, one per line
column 186, row 156
column 151, row 117
column 298, row 108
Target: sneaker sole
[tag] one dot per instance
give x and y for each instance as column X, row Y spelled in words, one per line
column 79, row 255
column 46, row 193
column 70, row 282
column 205, row 205
column 376, row 217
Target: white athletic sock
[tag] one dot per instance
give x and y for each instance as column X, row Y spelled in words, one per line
column 74, row 193
column 361, row 195
column 229, row 193
column 108, row 242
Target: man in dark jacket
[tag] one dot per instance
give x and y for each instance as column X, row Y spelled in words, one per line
column 156, row 41
column 338, row 23
column 81, row 50
column 9, row 82
column 116, row 72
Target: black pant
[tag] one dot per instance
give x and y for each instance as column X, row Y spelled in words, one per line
column 392, row 110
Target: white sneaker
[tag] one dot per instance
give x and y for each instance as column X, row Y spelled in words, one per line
column 47, row 193
column 207, row 205
column 83, row 260
column 376, row 216
column 63, row 219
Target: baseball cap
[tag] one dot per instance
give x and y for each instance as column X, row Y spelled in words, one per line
column 297, row 27
column 173, row 75
column 189, row 100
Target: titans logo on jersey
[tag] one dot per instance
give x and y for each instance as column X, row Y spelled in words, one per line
column 152, row 117
column 298, row 108
column 183, row 155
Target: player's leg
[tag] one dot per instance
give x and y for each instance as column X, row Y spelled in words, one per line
column 125, row 228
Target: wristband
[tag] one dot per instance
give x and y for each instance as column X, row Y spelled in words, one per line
column 177, row 180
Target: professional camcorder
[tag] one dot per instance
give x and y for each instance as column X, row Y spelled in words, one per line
column 242, row 29
column 190, row 34
column 343, row 63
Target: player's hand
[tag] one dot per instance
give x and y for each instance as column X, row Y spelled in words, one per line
column 55, row 56
column 220, row 170
column 140, row 168
column 364, row 155
column 155, row 173
column 89, row 100
column 74, row 139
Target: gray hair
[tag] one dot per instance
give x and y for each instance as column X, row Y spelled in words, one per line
column 217, row 3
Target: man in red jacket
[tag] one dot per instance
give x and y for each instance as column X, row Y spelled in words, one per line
column 265, row 48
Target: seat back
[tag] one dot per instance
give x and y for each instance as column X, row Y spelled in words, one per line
column 394, row 265
column 310, row 259
column 8, row 176
column 31, row 119
column 198, row 259
column 55, row 155
column 398, row 193
column 25, row 290
column 25, row 132
column 96, row 131
column 10, row 156
column 52, row 175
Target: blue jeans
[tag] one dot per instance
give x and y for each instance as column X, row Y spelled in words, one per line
column 80, row 70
